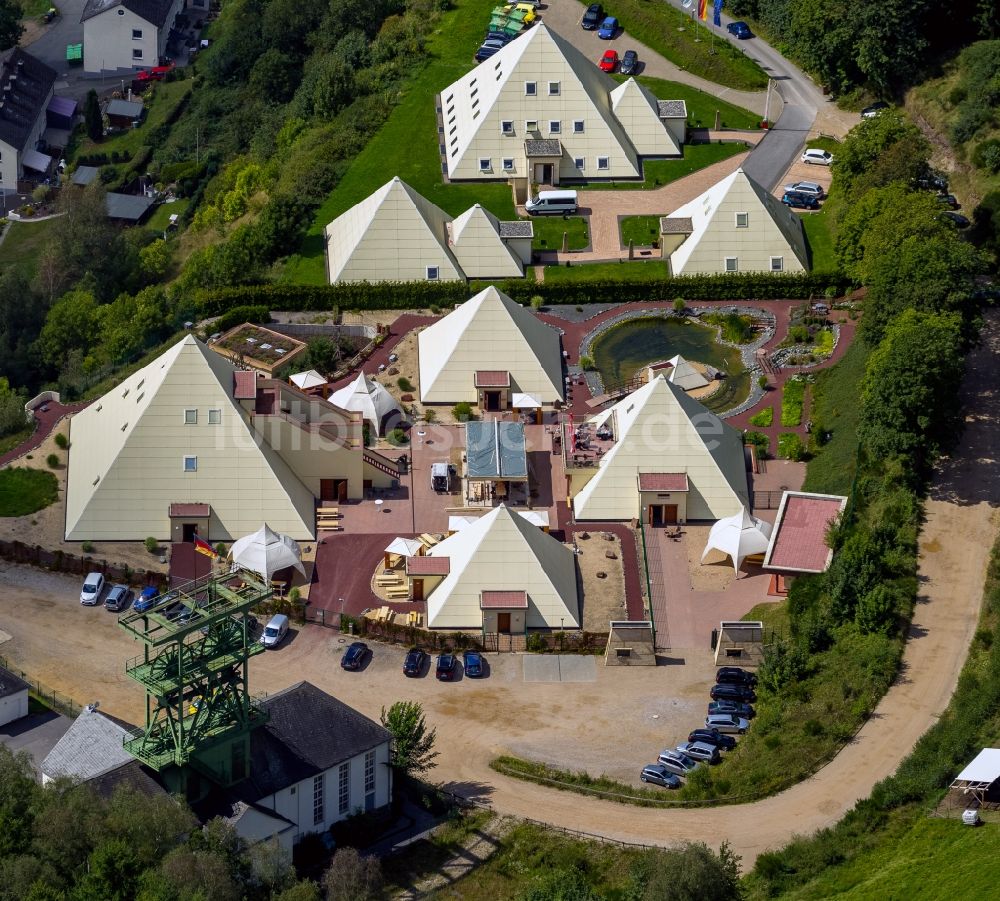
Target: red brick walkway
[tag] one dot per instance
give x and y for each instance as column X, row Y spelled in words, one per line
column 45, row 422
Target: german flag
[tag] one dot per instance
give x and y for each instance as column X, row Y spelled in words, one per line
column 203, row 547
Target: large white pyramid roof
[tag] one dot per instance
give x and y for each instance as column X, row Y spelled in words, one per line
column 658, row 428
column 126, row 461
column 476, row 244
column 488, row 332
column 391, row 235
column 773, row 230
column 367, row 397
column 504, row 552
column 738, row 537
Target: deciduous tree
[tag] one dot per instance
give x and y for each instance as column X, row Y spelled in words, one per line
column 412, row 742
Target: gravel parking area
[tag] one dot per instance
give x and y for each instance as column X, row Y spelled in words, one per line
column 81, row 652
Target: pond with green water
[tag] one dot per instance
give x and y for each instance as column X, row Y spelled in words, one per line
column 624, row 350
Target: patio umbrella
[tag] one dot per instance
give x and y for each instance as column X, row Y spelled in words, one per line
column 266, row 552
column 738, row 537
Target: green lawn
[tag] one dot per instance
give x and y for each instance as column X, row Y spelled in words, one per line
column 701, row 107
column 662, row 172
column 819, row 237
column 641, row 230
column 792, row 400
column 835, row 410
column 549, row 231
column 161, row 215
column 35, row 9
column 636, row 271
column 763, row 418
column 23, row 243
column 9, row 442
column 823, row 143
column 24, row 491
column 407, row 145
column 688, row 44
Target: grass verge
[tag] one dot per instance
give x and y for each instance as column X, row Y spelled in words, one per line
column 21, row 248
column 701, row 107
column 549, row 231
column 793, row 398
column 690, row 45
column 764, row 418
column 626, row 273
column 834, row 412
column 160, row 219
column 657, row 173
column 642, row 231
column 819, row 237
column 24, row 491
column 9, row 442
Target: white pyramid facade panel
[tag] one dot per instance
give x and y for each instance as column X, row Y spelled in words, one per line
column 642, row 123
column 480, row 251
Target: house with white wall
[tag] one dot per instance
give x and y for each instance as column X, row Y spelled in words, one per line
column 13, row 697
column 126, row 34
column 26, row 85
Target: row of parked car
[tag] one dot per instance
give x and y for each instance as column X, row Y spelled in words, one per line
column 506, row 23
column 417, row 662
column 729, row 715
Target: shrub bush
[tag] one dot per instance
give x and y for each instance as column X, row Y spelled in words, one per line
column 790, row 447
column 53, row 461
column 404, row 383
column 764, row 418
column 152, row 545
column 758, row 440
column 462, row 411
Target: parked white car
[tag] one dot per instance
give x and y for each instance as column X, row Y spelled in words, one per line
column 817, row 157
column 93, row 586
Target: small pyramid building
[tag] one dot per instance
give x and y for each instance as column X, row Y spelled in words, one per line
column 173, row 433
column 734, row 226
column 398, row 235
column 489, row 343
column 539, row 110
column 668, row 451
column 681, row 373
column 500, row 559
column 369, row 398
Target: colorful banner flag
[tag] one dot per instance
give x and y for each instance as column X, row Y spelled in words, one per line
column 703, row 10
column 717, row 14
column 203, row 547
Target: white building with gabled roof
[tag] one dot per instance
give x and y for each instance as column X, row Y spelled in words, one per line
column 503, row 574
column 540, row 111
column 486, row 349
column 398, row 235
column 671, row 461
column 734, row 226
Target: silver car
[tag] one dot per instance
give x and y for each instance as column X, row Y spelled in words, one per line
column 676, row 762
column 809, row 188
column 700, row 750
column 726, row 722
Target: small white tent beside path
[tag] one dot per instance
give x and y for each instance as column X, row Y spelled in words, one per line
column 266, row 552
column 738, row 537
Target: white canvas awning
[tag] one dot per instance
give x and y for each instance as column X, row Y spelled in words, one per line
column 457, row 523
column 37, row 161
column 538, row 518
column 266, row 552
column 308, row 379
column 738, row 537
column 404, row 547
column 981, row 773
column 521, row 401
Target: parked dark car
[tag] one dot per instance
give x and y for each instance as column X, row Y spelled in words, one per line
column 799, row 201
column 447, row 664
column 870, row 112
column 505, row 39
column 413, row 665
column 733, row 693
column 734, row 708
column 713, row 737
column 472, row 663
column 118, row 598
column 948, row 200
column 959, row 220
column 146, row 599
column 735, row 675
column 593, row 16
column 630, row 62
column 932, row 181
column 739, row 30
column 354, row 656
column 487, row 50
column 659, row 775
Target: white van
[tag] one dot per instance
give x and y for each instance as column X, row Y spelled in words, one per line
column 817, row 157
column 551, row 203
column 275, row 630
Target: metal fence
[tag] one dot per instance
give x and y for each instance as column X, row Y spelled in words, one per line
column 49, row 696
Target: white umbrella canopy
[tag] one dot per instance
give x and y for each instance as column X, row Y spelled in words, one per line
column 368, row 397
column 404, row 547
column 738, row 537
column 266, row 552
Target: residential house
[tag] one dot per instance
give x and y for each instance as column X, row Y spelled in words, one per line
column 734, row 226
column 539, row 111
column 126, row 34
column 26, row 85
column 13, row 697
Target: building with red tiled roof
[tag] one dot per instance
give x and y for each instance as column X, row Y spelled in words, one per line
column 798, row 540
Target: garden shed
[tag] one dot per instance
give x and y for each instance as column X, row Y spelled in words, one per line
column 13, row 697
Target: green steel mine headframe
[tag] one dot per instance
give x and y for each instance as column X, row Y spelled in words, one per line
column 199, row 714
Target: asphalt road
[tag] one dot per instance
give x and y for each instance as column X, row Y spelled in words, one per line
column 803, row 100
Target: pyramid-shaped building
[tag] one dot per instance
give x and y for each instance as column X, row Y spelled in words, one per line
column 490, row 345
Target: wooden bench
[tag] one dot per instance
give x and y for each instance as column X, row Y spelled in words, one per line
column 333, row 512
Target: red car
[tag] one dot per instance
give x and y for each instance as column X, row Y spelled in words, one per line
column 609, row 62
column 157, row 73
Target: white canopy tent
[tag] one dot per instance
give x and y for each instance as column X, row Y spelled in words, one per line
column 738, row 537
column 457, row 522
column 367, row 397
column 266, row 552
column 305, row 381
column 404, row 547
column 981, row 773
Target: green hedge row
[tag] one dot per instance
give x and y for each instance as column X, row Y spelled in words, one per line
column 418, row 295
